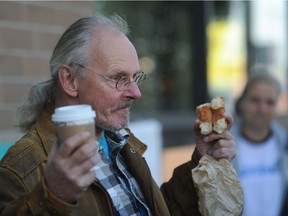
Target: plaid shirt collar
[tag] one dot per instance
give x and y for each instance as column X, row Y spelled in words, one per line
column 116, row 141
column 119, row 137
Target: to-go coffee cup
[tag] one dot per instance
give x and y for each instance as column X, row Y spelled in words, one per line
column 73, row 119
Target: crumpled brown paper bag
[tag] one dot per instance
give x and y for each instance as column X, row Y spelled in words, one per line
column 219, row 189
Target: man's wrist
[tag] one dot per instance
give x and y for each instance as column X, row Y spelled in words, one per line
column 196, row 156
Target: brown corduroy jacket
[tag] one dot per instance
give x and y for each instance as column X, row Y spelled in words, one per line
column 23, row 190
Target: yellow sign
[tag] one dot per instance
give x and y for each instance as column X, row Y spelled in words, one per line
column 226, row 57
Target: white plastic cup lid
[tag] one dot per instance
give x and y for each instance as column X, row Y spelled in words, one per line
column 73, row 113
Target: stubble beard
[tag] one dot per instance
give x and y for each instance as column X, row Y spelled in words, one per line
column 111, row 125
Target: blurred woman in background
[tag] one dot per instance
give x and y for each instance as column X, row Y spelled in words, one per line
column 262, row 145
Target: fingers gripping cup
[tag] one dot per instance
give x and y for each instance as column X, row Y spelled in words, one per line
column 73, row 119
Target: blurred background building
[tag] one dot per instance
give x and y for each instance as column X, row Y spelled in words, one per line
column 190, row 50
column 28, row 33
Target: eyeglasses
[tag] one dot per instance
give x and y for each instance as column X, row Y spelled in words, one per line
column 121, row 82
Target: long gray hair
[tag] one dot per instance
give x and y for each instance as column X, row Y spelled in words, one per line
column 72, row 47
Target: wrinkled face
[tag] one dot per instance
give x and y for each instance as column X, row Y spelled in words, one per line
column 259, row 105
column 114, row 57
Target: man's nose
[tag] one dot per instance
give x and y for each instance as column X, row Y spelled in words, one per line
column 133, row 91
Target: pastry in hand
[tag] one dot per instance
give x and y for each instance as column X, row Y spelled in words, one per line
column 211, row 116
column 205, row 116
column 218, row 110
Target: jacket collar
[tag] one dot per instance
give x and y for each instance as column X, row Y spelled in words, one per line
column 46, row 129
column 135, row 143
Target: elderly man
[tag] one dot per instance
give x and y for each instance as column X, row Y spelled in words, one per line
column 94, row 63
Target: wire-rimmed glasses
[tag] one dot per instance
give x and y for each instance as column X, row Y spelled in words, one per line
column 121, row 83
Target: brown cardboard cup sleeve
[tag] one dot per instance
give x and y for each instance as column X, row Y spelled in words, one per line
column 218, row 188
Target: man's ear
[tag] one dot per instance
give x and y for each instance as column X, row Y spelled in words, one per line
column 68, row 80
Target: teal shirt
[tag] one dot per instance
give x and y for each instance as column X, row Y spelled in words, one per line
column 103, row 144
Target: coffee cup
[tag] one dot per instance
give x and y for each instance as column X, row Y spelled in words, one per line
column 73, row 119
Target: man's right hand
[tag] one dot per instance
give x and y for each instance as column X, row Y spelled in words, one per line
column 69, row 168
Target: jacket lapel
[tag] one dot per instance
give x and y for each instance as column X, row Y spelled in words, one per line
column 138, row 167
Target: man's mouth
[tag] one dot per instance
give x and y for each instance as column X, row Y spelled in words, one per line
column 123, row 105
